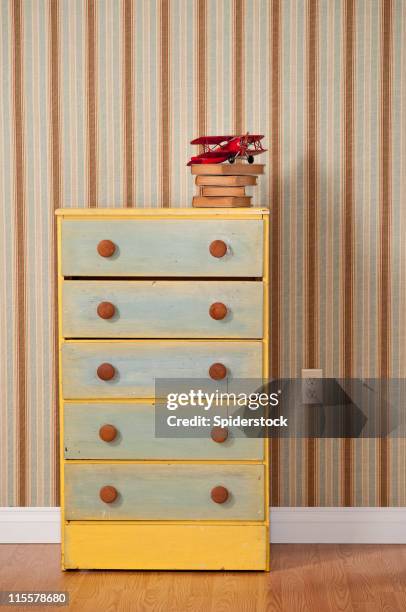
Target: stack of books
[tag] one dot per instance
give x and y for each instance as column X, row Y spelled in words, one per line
column 223, row 185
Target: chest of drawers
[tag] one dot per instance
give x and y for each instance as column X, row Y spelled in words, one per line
column 146, row 294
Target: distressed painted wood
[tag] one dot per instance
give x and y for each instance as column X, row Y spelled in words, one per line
column 162, row 309
column 111, row 545
column 164, row 492
column 158, row 254
column 135, row 424
column 162, row 247
column 261, row 212
column 139, row 363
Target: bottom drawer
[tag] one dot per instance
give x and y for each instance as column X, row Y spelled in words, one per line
column 164, row 492
column 164, row 547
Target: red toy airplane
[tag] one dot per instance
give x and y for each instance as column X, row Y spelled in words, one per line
column 217, row 149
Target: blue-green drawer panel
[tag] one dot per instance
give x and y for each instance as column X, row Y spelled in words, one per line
column 138, row 363
column 135, row 439
column 162, row 247
column 164, row 492
column 162, row 309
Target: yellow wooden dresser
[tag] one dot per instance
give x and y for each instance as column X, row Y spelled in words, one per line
column 146, row 294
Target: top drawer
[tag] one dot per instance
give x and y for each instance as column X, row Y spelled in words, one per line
column 162, row 247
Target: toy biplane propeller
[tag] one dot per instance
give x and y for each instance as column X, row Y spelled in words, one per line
column 218, row 149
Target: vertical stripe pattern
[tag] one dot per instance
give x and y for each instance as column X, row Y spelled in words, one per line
column 128, row 100
column 238, row 65
column 165, row 104
column 20, row 324
column 91, row 102
column 99, row 102
column 311, row 305
column 385, row 228
column 348, row 231
column 56, row 198
column 275, row 247
column 200, row 60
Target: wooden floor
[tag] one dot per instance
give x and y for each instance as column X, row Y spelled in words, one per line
column 314, row 578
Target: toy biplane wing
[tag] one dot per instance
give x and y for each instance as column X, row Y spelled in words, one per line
column 210, row 140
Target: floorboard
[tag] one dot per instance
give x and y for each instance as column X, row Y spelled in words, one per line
column 304, row 578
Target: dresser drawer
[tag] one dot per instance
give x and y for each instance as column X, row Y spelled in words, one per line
column 163, row 492
column 161, row 309
column 165, row 546
column 131, row 435
column 136, row 364
column 161, row 247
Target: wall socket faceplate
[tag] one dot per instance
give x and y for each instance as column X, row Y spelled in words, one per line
column 312, row 386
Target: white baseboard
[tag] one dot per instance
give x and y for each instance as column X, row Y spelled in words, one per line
column 32, row 525
column 338, row 525
column 288, row 525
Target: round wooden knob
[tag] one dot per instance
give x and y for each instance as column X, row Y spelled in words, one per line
column 106, row 371
column 107, row 433
column 219, row 434
column 218, row 311
column 106, row 248
column 106, row 310
column 108, row 494
column 218, row 248
column 217, row 371
column 219, row 495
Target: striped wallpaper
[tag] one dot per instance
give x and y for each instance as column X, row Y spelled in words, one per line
column 99, row 100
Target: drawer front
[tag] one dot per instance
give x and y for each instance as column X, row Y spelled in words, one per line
column 161, row 309
column 163, row 546
column 164, row 247
column 138, row 363
column 164, row 492
column 134, row 436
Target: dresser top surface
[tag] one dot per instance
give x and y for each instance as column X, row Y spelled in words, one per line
column 163, row 212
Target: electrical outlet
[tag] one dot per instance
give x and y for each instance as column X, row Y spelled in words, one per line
column 312, row 386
